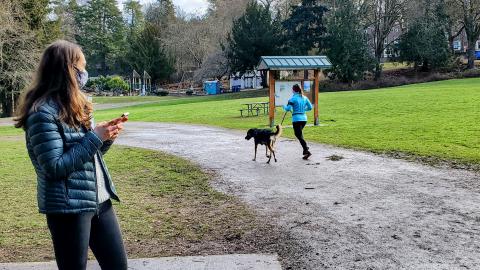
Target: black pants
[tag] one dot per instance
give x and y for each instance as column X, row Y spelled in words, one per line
column 73, row 233
column 298, row 128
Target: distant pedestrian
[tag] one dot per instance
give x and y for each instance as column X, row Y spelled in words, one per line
column 74, row 187
column 299, row 104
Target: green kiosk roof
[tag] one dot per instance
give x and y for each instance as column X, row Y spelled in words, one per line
column 293, row 62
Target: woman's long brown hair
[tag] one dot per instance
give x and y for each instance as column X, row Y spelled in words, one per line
column 56, row 79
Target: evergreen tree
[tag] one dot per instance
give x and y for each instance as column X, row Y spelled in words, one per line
column 101, row 33
column 36, row 16
column 425, row 42
column 160, row 14
column 305, row 28
column 346, row 43
column 147, row 53
column 64, row 12
column 134, row 15
column 253, row 35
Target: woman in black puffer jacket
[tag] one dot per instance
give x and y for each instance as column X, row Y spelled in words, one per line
column 74, row 186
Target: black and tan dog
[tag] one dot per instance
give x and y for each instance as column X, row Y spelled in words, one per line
column 265, row 137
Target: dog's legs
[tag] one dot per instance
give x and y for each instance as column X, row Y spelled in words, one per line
column 255, row 157
column 266, row 152
column 272, row 152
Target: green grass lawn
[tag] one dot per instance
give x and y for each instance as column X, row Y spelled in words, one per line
column 439, row 119
column 167, row 209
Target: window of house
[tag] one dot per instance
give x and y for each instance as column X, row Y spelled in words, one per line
column 457, row 45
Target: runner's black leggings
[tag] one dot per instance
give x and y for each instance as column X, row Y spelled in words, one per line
column 298, row 128
column 73, row 233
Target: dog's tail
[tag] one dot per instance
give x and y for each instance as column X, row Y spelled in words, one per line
column 279, row 131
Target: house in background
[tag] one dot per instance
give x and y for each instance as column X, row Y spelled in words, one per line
column 460, row 45
column 248, row 80
column 391, row 43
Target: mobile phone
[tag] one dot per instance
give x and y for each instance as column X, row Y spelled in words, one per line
column 125, row 115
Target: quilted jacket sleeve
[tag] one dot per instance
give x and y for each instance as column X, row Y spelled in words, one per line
column 106, row 146
column 47, row 144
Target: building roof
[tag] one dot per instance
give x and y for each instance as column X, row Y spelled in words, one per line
column 136, row 75
column 293, row 62
column 146, row 75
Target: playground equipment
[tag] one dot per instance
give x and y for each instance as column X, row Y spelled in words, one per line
column 139, row 84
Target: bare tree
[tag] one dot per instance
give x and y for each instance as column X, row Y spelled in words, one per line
column 381, row 18
column 18, row 54
column 215, row 66
column 467, row 13
column 196, row 42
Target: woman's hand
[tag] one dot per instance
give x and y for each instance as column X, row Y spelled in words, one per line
column 119, row 129
column 105, row 131
column 110, row 130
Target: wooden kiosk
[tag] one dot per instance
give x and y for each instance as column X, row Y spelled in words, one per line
column 275, row 64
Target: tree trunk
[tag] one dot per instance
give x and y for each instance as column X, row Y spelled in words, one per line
column 425, row 67
column 471, row 53
column 378, row 69
column 7, row 105
column 378, row 57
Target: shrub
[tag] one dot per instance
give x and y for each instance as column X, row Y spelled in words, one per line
column 163, row 93
column 471, row 73
column 113, row 83
column 189, row 92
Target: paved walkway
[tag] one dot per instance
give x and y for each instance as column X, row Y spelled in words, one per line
column 226, row 262
column 362, row 212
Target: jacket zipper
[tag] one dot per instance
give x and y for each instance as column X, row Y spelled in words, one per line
column 96, row 183
column 64, row 141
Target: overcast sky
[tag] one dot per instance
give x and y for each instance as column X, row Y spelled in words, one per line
column 197, row 7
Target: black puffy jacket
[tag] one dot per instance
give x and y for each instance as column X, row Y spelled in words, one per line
column 63, row 158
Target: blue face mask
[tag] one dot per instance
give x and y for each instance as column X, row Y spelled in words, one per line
column 82, row 78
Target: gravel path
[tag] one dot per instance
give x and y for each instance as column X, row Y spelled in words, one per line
column 6, row 122
column 362, row 212
column 230, row 262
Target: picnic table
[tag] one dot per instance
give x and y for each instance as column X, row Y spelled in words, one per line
column 254, row 108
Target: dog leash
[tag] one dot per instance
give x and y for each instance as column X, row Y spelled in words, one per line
column 283, row 119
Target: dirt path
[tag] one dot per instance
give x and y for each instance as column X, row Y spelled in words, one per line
column 362, row 212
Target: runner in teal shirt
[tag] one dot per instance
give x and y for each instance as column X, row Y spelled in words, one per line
column 299, row 105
